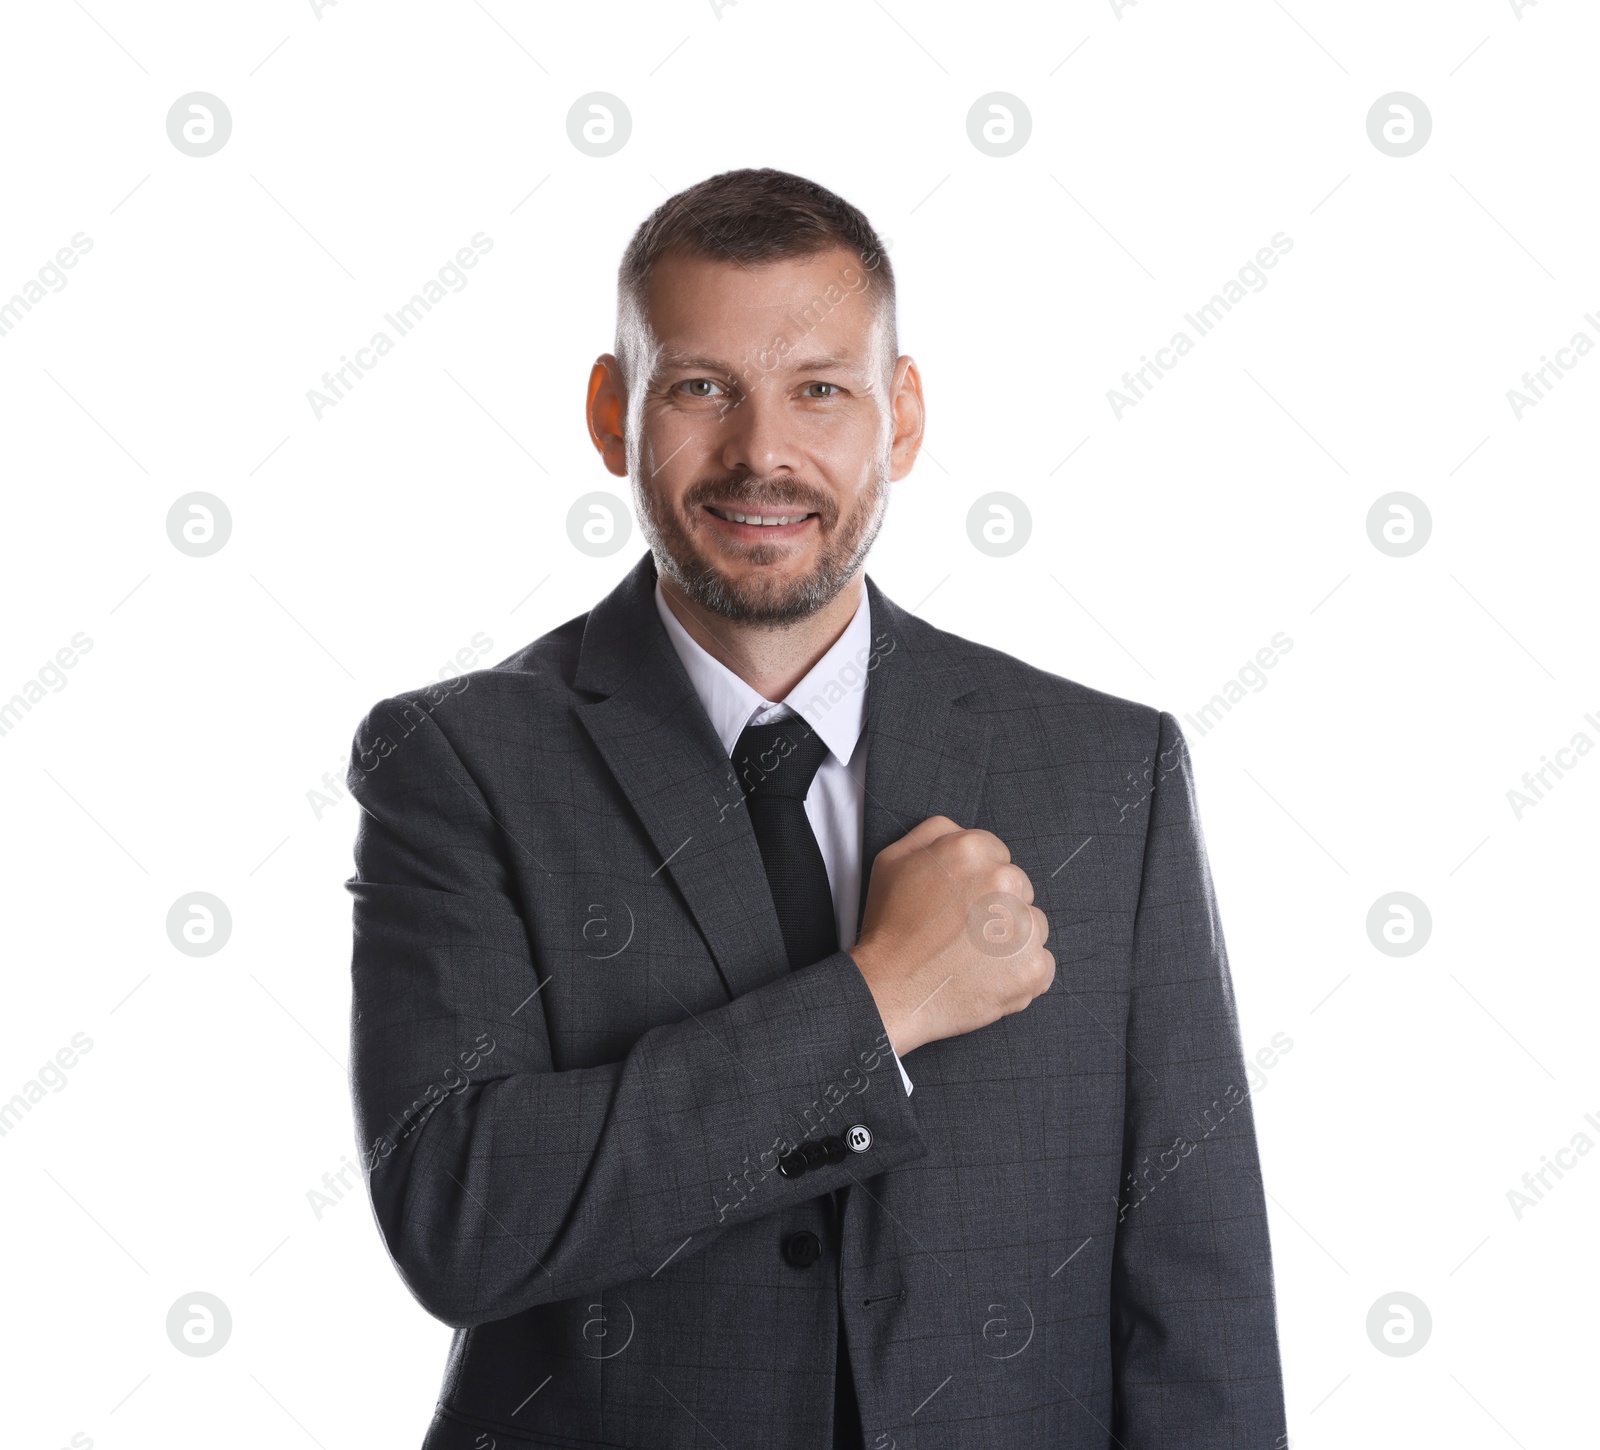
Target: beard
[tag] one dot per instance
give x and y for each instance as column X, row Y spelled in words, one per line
column 766, row 598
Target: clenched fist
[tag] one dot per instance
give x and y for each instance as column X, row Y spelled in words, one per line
column 950, row 940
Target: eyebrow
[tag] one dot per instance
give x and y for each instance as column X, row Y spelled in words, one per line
column 819, row 364
column 670, row 359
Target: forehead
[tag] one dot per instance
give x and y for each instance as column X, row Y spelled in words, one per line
column 702, row 307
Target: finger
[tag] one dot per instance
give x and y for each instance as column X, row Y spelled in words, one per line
column 984, row 847
column 931, row 829
column 919, row 837
column 1013, row 880
column 994, row 847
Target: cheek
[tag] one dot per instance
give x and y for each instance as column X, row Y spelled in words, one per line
column 848, row 454
column 851, row 484
column 674, row 448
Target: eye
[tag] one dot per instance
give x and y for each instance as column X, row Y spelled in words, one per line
column 833, row 388
column 701, row 387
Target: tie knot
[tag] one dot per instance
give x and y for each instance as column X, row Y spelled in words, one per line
column 778, row 760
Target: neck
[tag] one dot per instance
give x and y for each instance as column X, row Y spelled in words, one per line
column 771, row 658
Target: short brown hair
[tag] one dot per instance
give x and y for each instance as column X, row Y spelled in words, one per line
column 748, row 217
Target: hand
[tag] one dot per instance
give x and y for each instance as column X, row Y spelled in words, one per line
column 950, row 940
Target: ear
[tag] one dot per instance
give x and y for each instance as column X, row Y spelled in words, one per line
column 606, row 412
column 909, row 417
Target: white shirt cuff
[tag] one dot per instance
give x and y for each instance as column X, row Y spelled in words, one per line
column 903, row 1078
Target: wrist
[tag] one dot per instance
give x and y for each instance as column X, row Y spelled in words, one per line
column 870, row 962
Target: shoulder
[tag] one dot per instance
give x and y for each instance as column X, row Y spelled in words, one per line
column 1021, row 699
column 549, row 662
column 523, row 687
column 1050, row 733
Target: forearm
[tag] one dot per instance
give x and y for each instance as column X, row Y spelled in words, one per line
column 530, row 1185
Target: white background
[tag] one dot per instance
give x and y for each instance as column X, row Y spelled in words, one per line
column 429, row 506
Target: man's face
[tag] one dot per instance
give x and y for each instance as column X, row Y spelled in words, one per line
column 763, row 430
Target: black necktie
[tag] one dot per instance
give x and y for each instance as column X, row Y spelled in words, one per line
column 776, row 764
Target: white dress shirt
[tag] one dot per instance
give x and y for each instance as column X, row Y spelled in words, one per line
column 832, row 698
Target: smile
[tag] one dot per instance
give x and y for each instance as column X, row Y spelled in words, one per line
column 765, row 521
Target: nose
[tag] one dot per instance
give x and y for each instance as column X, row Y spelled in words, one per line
column 756, row 434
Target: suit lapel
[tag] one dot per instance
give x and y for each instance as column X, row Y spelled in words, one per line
column 654, row 734
column 927, row 755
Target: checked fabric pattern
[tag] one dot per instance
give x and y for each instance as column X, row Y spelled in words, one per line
column 579, row 1048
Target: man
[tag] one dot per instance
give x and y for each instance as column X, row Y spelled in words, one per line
column 699, row 1131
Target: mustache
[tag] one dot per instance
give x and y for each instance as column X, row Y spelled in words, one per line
column 756, row 495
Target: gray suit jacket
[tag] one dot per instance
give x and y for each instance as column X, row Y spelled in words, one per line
column 578, row 1054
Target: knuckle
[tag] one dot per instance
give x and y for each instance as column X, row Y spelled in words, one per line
column 1003, row 877
column 982, row 848
column 993, row 845
column 964, row 847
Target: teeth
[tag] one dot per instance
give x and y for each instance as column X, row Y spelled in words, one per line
column 763, row 520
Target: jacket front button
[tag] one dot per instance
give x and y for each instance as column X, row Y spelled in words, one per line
column 802, row 1249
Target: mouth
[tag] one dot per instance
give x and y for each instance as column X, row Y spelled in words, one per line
column 768, row 525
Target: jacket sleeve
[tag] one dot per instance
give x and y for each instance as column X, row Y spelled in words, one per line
column 500, row 1183
column 1193, row 1325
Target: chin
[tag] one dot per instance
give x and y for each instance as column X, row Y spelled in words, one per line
column 757, row 560
column 753, row 594
column 755, row 582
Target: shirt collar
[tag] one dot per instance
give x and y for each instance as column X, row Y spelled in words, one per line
column 831, row 697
